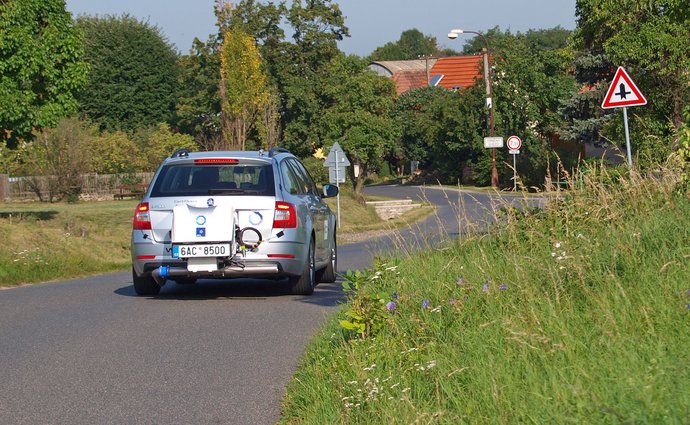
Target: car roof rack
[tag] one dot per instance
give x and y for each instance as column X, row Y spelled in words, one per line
column 276, row 150
column 180, row 153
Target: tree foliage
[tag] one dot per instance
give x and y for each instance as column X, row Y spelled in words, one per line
column 650, row 39
column 411, row 45
column 56, row 160
column 133, row 78
column 444, row 130
column 41, row 66
column 300, row 68
column 244, row 93
column 358, row 115
column 158, row 144
column 198, row 105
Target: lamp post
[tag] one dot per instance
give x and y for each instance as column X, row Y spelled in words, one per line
column 453, row 34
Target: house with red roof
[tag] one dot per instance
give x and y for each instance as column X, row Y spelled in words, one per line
column 453, row 72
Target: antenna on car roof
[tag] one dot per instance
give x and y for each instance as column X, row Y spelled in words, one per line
column 276, row 150
column 180, row 153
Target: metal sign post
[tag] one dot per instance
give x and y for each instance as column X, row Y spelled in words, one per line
column 627, row 136
column 337, row 164
column 514, row 144
column 623, row 93
column 337, row 183
column 514, row 172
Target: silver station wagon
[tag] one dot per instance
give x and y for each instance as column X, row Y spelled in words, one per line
column 233, row 215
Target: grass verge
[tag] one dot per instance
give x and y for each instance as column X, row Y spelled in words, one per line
column 576, row 314
column 358, row 218
column 60, row 240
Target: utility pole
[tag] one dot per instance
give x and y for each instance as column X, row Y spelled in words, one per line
column 489, row 95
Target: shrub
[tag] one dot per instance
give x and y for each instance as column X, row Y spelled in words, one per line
column 57, row 158
column 114, row 153
column 315, row 167
column 161, row 143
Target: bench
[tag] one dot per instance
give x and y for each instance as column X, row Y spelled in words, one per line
column 130, row 191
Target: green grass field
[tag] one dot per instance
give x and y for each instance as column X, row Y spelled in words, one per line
column 577, row 314
column 53, row 241
column 46, row 241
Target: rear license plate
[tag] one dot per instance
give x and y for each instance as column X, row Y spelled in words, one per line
column 206, row 250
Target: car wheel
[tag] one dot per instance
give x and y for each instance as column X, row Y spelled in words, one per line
column 304, row 284
column 327, row 275
column 144, row 285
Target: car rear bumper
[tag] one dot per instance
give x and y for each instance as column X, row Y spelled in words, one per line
column 238, row 269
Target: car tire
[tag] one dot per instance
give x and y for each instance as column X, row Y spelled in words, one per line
column 144, row 285
column 327, row 274
column 304, row 284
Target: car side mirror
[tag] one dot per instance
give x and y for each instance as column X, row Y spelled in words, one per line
column 330, row 191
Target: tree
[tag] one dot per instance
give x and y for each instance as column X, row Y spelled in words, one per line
column 650, row 40
column 296, row 68
column 358, row 116
column 41, row 67
column 133, row 80
column 413, row 113
column 300, row 69
column 243, row 87
column 411, row 45
column 444, row 130
column 198, row 105
column 160, row 143
column 531, row 79
column 57, row 158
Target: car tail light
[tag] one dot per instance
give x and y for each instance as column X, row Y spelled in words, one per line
column 216, row 161
column 287, row 256
column 285, row 216
column 142, row 218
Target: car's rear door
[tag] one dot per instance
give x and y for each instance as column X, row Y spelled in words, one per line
column 316, row 209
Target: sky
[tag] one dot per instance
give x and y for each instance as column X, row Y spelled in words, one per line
column 372, row 23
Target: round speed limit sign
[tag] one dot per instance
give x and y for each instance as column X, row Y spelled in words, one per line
column 514, row 143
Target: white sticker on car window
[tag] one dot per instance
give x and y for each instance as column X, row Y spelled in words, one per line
column 325, row 230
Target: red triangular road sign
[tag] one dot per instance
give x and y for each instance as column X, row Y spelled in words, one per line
column 623, row 92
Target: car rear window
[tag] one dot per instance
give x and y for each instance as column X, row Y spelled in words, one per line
column 214, row 179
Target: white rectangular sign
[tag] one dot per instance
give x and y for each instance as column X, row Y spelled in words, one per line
column 342, row 175
column 493, row 142
column 514, row 151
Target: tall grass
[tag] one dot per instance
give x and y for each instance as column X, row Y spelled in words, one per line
column 60, row 240
column 579, row 313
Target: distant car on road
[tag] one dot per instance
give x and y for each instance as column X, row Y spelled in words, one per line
column 233, row 214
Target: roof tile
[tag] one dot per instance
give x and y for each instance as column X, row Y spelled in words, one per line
column 458, row 71
column 408, row 80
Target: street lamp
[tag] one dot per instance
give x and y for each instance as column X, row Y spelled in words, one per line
column 453, row 34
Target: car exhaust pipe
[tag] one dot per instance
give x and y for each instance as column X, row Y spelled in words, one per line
column 163, row 273
column 160, row 275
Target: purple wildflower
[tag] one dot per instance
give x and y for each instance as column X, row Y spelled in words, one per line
column 485, row 287
column 425, row 304
column 460, row 281
column 464, row 298
column 395, row 295
column 390, row 306
column 503, row 287
column 452, row 301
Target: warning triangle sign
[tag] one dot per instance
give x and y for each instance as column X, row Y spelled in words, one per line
column 623, row 92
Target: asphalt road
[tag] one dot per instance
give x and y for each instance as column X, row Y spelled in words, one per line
column 88, row 351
